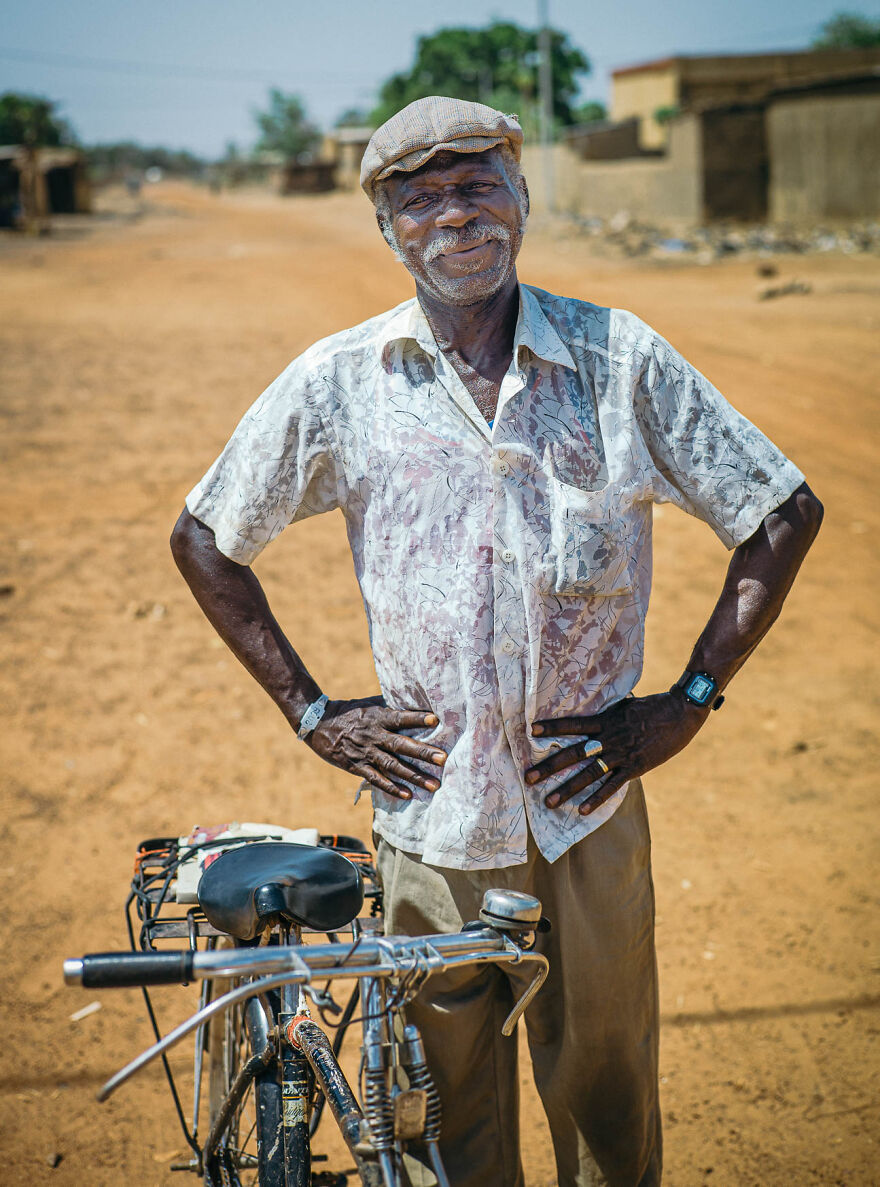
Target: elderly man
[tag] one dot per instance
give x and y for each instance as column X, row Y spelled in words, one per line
column 496, row 451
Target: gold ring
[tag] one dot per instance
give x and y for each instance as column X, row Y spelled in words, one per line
column 603, row 766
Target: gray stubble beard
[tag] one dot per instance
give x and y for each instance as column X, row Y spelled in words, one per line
column 451, row 288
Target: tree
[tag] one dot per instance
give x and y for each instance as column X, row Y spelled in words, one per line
column 32, row 120
column 353, row 117
column 284, row 128
column 590, row 112
column 497, row 65
column 667, row 113
column 848, row 30
column 111, row 162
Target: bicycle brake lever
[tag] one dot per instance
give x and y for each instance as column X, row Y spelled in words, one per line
column 537, row 981
column 323, row 999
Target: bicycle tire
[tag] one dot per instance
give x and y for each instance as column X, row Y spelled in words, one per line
column 256, row 1121
column 270, row 1141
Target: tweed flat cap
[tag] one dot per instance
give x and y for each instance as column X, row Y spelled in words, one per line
column 431, row 125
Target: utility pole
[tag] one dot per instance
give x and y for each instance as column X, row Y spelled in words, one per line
column 545, row 90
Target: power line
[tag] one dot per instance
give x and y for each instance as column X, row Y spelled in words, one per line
column 157, row 69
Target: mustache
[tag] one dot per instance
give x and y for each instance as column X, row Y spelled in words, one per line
column 448, row 240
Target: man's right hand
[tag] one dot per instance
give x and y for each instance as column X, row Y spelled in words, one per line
column 361, row 737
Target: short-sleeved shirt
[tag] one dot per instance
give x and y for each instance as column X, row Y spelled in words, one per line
column 505, row 570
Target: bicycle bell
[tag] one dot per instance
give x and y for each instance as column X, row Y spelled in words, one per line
column 511, row 910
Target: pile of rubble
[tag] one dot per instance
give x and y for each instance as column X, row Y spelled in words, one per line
column 624, row 235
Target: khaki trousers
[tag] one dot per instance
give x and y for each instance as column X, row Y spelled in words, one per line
column 592, row 1030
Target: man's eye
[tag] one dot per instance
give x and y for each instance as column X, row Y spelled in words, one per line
column 418, row 200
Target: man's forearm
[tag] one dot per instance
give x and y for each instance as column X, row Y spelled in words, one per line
column 364, row 736
column 639, row 733
column 232, row 599
column 760, row 575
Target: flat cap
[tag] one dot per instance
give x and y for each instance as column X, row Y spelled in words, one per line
column 431, row 125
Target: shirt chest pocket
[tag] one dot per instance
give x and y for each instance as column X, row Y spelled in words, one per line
column 594, row 539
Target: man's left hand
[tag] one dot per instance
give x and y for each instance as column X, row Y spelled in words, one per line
column 635, row 735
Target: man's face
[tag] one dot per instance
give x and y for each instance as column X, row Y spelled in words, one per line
column 458, row 225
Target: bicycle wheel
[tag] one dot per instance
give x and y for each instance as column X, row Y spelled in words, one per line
column 249, row 1147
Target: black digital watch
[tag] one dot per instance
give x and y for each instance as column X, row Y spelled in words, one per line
column 700, row 689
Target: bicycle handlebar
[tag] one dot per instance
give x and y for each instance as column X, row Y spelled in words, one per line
column 383, row 956
column 375, row 957
column 114, row 970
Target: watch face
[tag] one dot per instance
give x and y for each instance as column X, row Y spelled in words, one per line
column 699, row 689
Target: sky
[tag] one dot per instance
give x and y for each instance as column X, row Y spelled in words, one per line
column 190, row 73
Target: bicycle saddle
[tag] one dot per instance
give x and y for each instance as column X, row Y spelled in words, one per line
column 246, row 889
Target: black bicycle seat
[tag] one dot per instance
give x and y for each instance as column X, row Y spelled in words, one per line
column 245, row 889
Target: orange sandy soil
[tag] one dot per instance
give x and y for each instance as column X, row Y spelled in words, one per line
column 129, row 350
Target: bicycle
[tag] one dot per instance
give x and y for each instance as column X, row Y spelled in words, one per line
column 270, row 1070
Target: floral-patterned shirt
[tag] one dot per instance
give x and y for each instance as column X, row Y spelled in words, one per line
column 505, row 571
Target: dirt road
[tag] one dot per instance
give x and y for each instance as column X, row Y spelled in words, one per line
column 128, row 354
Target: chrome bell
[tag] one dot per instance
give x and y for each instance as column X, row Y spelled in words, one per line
column 511, row 910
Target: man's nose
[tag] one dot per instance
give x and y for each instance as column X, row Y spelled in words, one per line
column 456, row 211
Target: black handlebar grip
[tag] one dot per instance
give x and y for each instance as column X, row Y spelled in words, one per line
column 107, row 970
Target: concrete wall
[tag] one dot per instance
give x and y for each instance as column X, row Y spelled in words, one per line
column 316, row 178
column 668, row 188
column 605, row 141
column 825, row 157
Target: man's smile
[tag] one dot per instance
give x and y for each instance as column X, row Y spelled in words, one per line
column 467, row 248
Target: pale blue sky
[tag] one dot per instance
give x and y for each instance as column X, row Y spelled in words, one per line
column 188, row 73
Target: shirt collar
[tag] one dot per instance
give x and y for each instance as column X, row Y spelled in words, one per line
column 533, row 330
column 408, row 321
column 537, row 333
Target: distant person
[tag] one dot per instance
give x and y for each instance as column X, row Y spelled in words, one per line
column 496, row 451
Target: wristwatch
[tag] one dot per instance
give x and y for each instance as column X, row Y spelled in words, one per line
column 700, row 689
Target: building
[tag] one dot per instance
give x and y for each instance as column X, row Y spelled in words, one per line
column 346, row 147
column 38, row 182
column 792, row 137
column 314, row 177
column 700, row 82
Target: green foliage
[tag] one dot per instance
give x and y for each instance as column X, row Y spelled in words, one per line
column 590, row 113
column 32, row 119
column 111, row 162
column 285, row 128
column 848, row 30
column 497, row 65
column 664, row 114
column 354, row 117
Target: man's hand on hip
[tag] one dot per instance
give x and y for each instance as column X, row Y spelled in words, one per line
column 362, row 737
column 630, row 738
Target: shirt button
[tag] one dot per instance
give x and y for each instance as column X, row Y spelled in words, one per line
column 508, row 647
column 503, row 468
column 508, row 556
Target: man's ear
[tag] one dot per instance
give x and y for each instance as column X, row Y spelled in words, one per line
column 524, row 190
column 385, row 227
